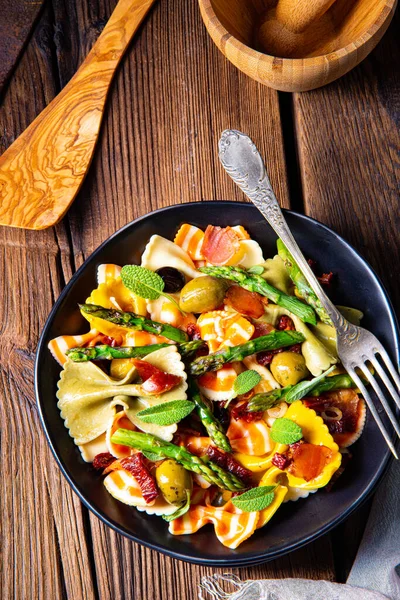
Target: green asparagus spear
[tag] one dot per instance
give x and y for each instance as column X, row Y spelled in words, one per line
column 212, row 425
column 272, row 341
column 336, row 382
column 105, row 352
column 301, row 282
column 256, row 283
column 133, row 321
column 150, row 443
column 269, row 399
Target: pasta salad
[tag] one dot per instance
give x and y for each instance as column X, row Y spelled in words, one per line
column 208, row 389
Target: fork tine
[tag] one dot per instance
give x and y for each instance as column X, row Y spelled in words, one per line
column 381, row 396
column 380, row 350
column 372, row 408
column 386, row 381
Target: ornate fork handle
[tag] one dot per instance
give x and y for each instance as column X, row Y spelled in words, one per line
column 242, row 161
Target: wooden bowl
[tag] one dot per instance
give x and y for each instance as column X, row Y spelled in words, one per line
column 245, row 31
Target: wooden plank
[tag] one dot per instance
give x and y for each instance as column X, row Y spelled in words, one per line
column 348, row 149
column 171, row 99
column 347, row 135
column 129, row 571
column 43, row 521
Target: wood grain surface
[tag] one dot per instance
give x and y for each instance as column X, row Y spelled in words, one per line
column 333, row 152
column 43, row 170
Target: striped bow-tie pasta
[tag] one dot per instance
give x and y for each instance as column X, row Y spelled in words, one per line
column 247, row 253
column 59, row 345
column 163, row 310
column 231, row 525
column 249, row 438
column 123, row 486
column 218, row 385
column 221, row 328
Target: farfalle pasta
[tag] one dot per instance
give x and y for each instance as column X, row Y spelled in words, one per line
column 205, row 391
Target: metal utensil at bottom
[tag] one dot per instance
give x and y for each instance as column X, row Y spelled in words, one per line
column 356, row 346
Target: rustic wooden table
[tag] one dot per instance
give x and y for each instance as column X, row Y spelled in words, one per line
column 331, row 153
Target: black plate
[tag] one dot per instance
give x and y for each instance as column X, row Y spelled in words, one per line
column 296, row 523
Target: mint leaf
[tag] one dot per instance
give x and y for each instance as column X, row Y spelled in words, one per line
column 167, row 413
column 245, row 382
column 256, row 270
column 145, row 283
column 255, row 499
column 301, row 389
column 142, row 281
column 285, row 431
column 180, row 511
column 151, row 456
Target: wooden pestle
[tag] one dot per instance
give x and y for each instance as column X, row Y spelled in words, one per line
column 297, row 15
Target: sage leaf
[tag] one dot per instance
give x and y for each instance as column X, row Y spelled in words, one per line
column 255, row 499
column 303, row 388
column 285, row 431
column 246, row 381
column 167, row 413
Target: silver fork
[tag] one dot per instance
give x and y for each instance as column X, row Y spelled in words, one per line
column 356, row 346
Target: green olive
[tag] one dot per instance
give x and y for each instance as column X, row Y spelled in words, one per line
column 203, row 294
column 173, row 481
column 288, row 368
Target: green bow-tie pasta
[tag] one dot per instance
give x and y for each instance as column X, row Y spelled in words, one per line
column 275, row 273
column 88, row 397
column 168, row 360
column 318, row 358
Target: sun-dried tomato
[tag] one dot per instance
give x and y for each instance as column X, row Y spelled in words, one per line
column 239, row 411
column 227, row 462
column 160, row 382
column 281, row 461
column 285, row 324
column 136, row 466
column 103, row 460
column 265, row 358
column 295, row 348
column 335, row 426
column 326, row 278
column 244, row 302
column 155, row 381
column 347, row 401
column 193, row 331
column 293, row 447
column 101, row 340
column 261, row 328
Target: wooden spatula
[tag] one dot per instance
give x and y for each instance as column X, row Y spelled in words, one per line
column 42, row 171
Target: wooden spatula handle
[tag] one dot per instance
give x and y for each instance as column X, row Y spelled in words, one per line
column 42, row 171
column 297, row 15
